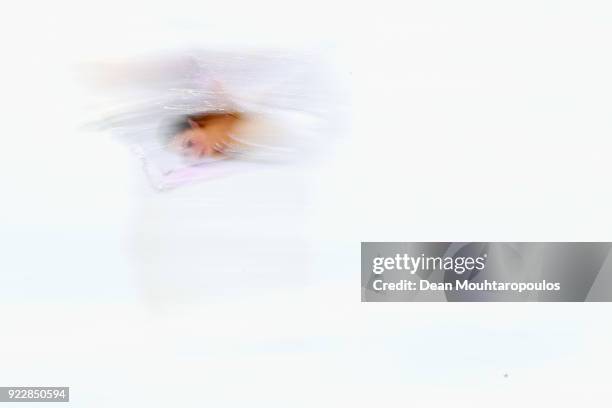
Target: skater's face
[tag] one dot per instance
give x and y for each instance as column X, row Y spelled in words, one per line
column 208, row 135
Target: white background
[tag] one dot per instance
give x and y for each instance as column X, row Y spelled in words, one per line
column 471, row 120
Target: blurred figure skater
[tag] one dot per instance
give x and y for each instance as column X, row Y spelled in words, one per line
column 210, row 105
